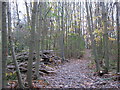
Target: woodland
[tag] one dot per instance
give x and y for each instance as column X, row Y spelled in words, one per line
column 60, row 44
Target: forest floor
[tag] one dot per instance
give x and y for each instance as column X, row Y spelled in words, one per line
column 77, row 74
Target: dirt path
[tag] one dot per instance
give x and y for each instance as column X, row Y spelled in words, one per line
column 76, row 74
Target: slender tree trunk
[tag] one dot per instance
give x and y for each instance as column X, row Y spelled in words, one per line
column 4, row 44
column 66, row 47
column 62, row 36
column 28, row 16
column 32, row 45
column 0, row 45
column 118, row 35
column 43, row 28
column 112, row 20
column 105, row 37
column 39, row 21
column 58, row 23
column 28, row 20
column 92, row 39
column 92, row 27
column 17, row 29
column 12, row 49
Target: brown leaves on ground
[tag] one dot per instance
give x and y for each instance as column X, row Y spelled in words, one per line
column 75, row 74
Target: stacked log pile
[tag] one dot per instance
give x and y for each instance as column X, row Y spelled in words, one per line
column 47, row 60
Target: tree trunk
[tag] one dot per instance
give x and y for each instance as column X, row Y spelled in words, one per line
column 0, row 46
column 118, row 34
column 31, row 46
column 38, row 26
column 12, row 49
column 92, row 39
column 62, row 36
column 105, row 37
column 28, row 16
column 4, row 44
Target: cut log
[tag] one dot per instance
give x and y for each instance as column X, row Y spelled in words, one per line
column 23, row 64
column 44, row 71
column 48, row 72
column 22, row 69
column 47, row 52
column 11, row 66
